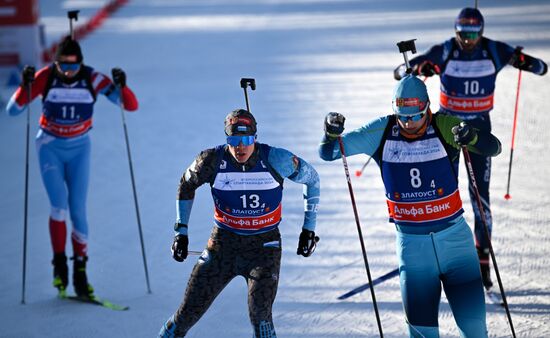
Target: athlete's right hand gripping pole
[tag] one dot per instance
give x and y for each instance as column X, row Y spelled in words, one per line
column 27, row 80
column 72, row 15
column 244, row 84
column 404, row 47
column 508, row 196
column 487, row 236
column 350, row 188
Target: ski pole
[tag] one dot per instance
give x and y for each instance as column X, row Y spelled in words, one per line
column 195, row 253
column 244, row 84
column 507, row 196
column 358, row 173
column 26, row 205
column 350, row 188
column 121, row 104
column 487, row 237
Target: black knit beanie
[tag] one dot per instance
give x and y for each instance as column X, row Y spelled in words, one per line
column 68, row 46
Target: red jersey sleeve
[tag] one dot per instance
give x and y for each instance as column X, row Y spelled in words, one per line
column 129, row 99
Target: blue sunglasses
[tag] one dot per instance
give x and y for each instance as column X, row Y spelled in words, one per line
column 414, row 118
column 246, row 140
column 68, row 67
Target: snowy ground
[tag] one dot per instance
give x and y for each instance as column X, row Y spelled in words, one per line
column 184, row 60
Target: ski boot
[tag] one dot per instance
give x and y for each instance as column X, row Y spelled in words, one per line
column 80, row 280
column 485, row 267
column 60, row 273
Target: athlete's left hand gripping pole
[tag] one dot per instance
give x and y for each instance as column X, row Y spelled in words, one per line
column 371, row 285
column 121, row 104
column 28, row 80
column 244, row 84
column 487, row 236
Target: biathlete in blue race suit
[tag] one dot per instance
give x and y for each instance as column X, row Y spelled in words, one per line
column 69, row 89
column 417, row 153
column 246, row 182
column 468, row 65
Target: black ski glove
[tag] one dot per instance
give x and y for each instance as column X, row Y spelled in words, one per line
column 27, row 75
column 334, row 125
column 518, row 60
column 119, row 77
column 464, row 134
column 307, row 243
column 428, row 68
column 528, row 63
column 180, row 247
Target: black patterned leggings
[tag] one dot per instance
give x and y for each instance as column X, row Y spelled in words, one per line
column 255, row 257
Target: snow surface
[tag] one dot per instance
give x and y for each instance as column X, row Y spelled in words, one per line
column 184, row 60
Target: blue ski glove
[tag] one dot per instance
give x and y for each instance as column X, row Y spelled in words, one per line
column 334, row 125
column 180, row 247
column 119, row 77
column 464, row 135
column 307, row 243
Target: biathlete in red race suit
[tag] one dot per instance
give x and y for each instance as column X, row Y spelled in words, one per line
column 246, row 181
column 69, row 89
column 417, row 153
column 468, row 65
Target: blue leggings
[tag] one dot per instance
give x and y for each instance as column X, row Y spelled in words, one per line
column 65, row 170
column 447, row 258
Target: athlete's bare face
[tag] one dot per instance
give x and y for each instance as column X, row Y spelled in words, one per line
column 68, row 72
column 241, row 153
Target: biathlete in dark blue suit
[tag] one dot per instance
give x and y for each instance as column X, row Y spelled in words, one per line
column 69, row 90
column 246, row 181
column 417, row 153
column 468, row 65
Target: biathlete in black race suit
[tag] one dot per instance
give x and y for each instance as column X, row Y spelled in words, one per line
column 246, row 181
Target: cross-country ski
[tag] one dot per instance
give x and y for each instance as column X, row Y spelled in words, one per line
column 376, row 281
column 94, row 300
